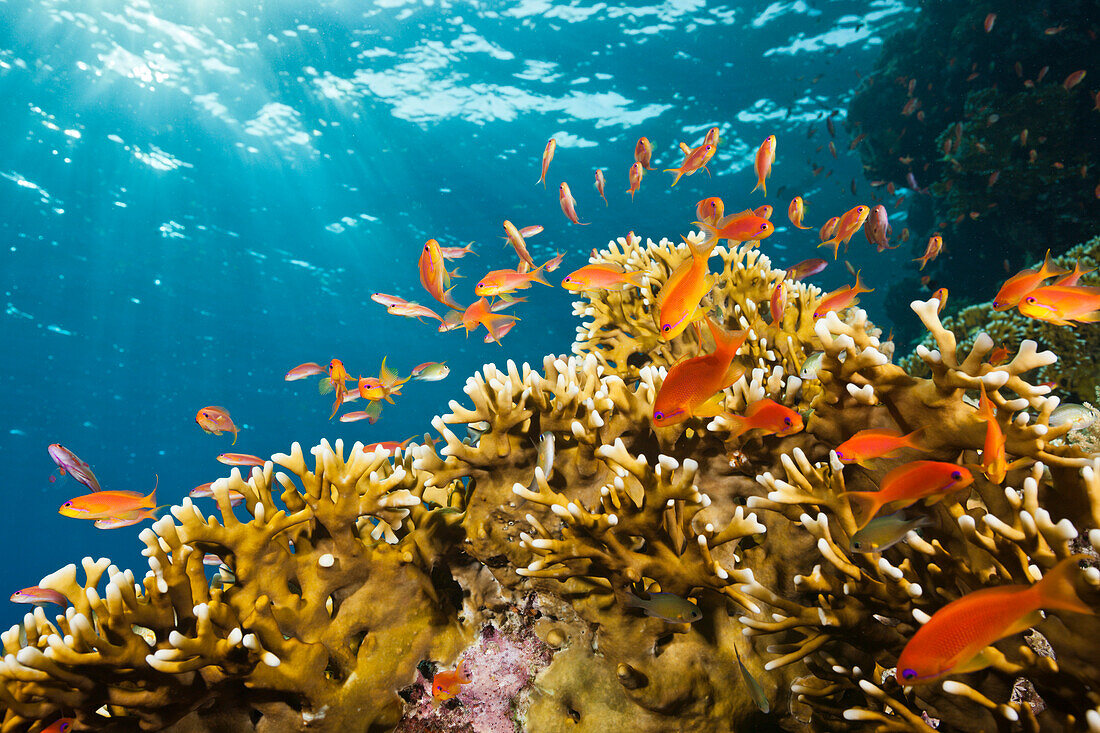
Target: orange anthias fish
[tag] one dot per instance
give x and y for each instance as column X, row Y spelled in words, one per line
column 434, row 275
column 600, row 183
column 953, row 640
column 828, row 229
column 643, row 153
column 206, row 491
column 841, row 298
column 61, row 725
column 479, row 313
column 1063, row 304
column 846, row 227
column 569, row 204
column 240, row 459
column 215, row 419
column 500, row 282
column 547, row 156
column 796, row 211
column 107, row 504
column 908, row 484
column 742, row 227
column 446, row 685
column 994, row 463
column 768, row 416
column 762, row 164
column 304, row 370
column 1072, row 277
column 602, row 277
column 335, row 382
column 764, row 212
column 381, row 388
column 635, row 179
column 866, row 445
column 932, row 251
column 517, row 240
column 805, row 268
column 678, row 301
column 693, row 386
column 778, row 302
column 693, row 161
column 710, row 209
column 1023, row 282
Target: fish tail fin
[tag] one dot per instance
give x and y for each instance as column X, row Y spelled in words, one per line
column 704, row 248
column 387, row 376
column 1049, row 268
column 865, row 504
column 235, row 431
column 537, row 276
column 725, row 342
column 912, row 440
column 758, row 184
column 150, row 499
column 636, row 278
column 449, row 301
column 834, row 244
column 498, row 324
column 740, row 424
column 678, row 173
column 861, row 287
column 1057, row 590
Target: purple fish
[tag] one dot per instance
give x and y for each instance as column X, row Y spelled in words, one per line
column 912, row 181
column 805, row 269
column 878, row 228
column 68, row 461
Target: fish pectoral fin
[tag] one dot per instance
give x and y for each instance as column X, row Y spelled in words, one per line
column 985, row 658
column 1023, row 624
column 711, row 407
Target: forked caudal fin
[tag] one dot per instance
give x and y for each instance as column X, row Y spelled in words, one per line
column 1057, row 591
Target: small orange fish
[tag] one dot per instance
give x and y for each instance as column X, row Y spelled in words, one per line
column 805, row 268
column 643, row 153
column 762, row 164
column 1023, row 282
column 479, row 313
column 908, row 484
column 205, row 491
column 1072, row 277
column 989, row 21
column 240, row 459
column 952, row 641
column 932, row 251
column 555, row 262
column 602, row 277
column 994, row 462
column 841, row 298
column 764, row 212
column 846, row 227
column 998, row 355
column 61, row 725
column 778, row 302
column 742, row 227
column 336, row 381
column 107, row 504
column 828, row 229
column 678, row 301
column 446, row 685
column 569, row 204
column 215, row 419
column 710, row 209
column 1074, row 79
column 692, row 387
column 303, row 370
column 693, row 161
column 796, row 211
column 517, row 240
column 391, row 446
column 867, row 445
column 1063, row 304
column 940, row 295
column 434, row 275
column 711, row 138
column 383, row 387
column 500, row 282
column 768, row 416
column 547, row 156
column 635, row 179
column 126, row 519
column 600, row 183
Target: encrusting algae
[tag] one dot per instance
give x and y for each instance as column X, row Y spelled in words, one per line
column 686, row 577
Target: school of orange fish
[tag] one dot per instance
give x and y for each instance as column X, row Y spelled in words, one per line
column 693, row 388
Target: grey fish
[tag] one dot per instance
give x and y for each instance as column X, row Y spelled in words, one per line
column 1077, row 416
column 546, row 462
column 756, row 690
column 811, row 365
column 882, row 533
column 666, row 606
column 475, row 430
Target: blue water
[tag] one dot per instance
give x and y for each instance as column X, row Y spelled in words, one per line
column 196, row 198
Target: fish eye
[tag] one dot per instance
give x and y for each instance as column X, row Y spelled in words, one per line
column 856, row 544
column 786, row 421
column 956, row 475
column 658, row 416
column 908, row 674
column 666, row 328
column 68, row 503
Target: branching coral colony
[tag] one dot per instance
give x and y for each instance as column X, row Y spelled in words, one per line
column 364, row 566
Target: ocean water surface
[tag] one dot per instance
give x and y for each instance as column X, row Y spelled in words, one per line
column 197, row 197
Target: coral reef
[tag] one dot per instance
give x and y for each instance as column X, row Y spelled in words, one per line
column 1076, row 374
column 366, row 574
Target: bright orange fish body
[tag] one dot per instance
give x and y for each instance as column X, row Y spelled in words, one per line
column 335, row 382
column 743, row 227
column 932, row 251
column 767, row 416
column 382, row 387
column 710, row 209
column 1072, row 277
column 569, row 204
column 762, row 164
column 1023, row 282
column 215, row 419
column 106, row 504
column 240, row 459
column 635, row 179
column 517, row 240
column 600, row 183
column 692, row 387
column 547, row 156
column 500, row 282
column 778, row 302
column 796, row 211
column 1063, row 304
column 828, row 229
column 643, row 153
column 908, row 484
column 693, row 161
column 994, row 462
column 678, row 301
column 479, row 313
column 847, row 225
column 951, row 642
column 446, row 685
column 764, row 212
column 841, row 298
column 602, row 277
column 866, row 445
column 434, row 275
